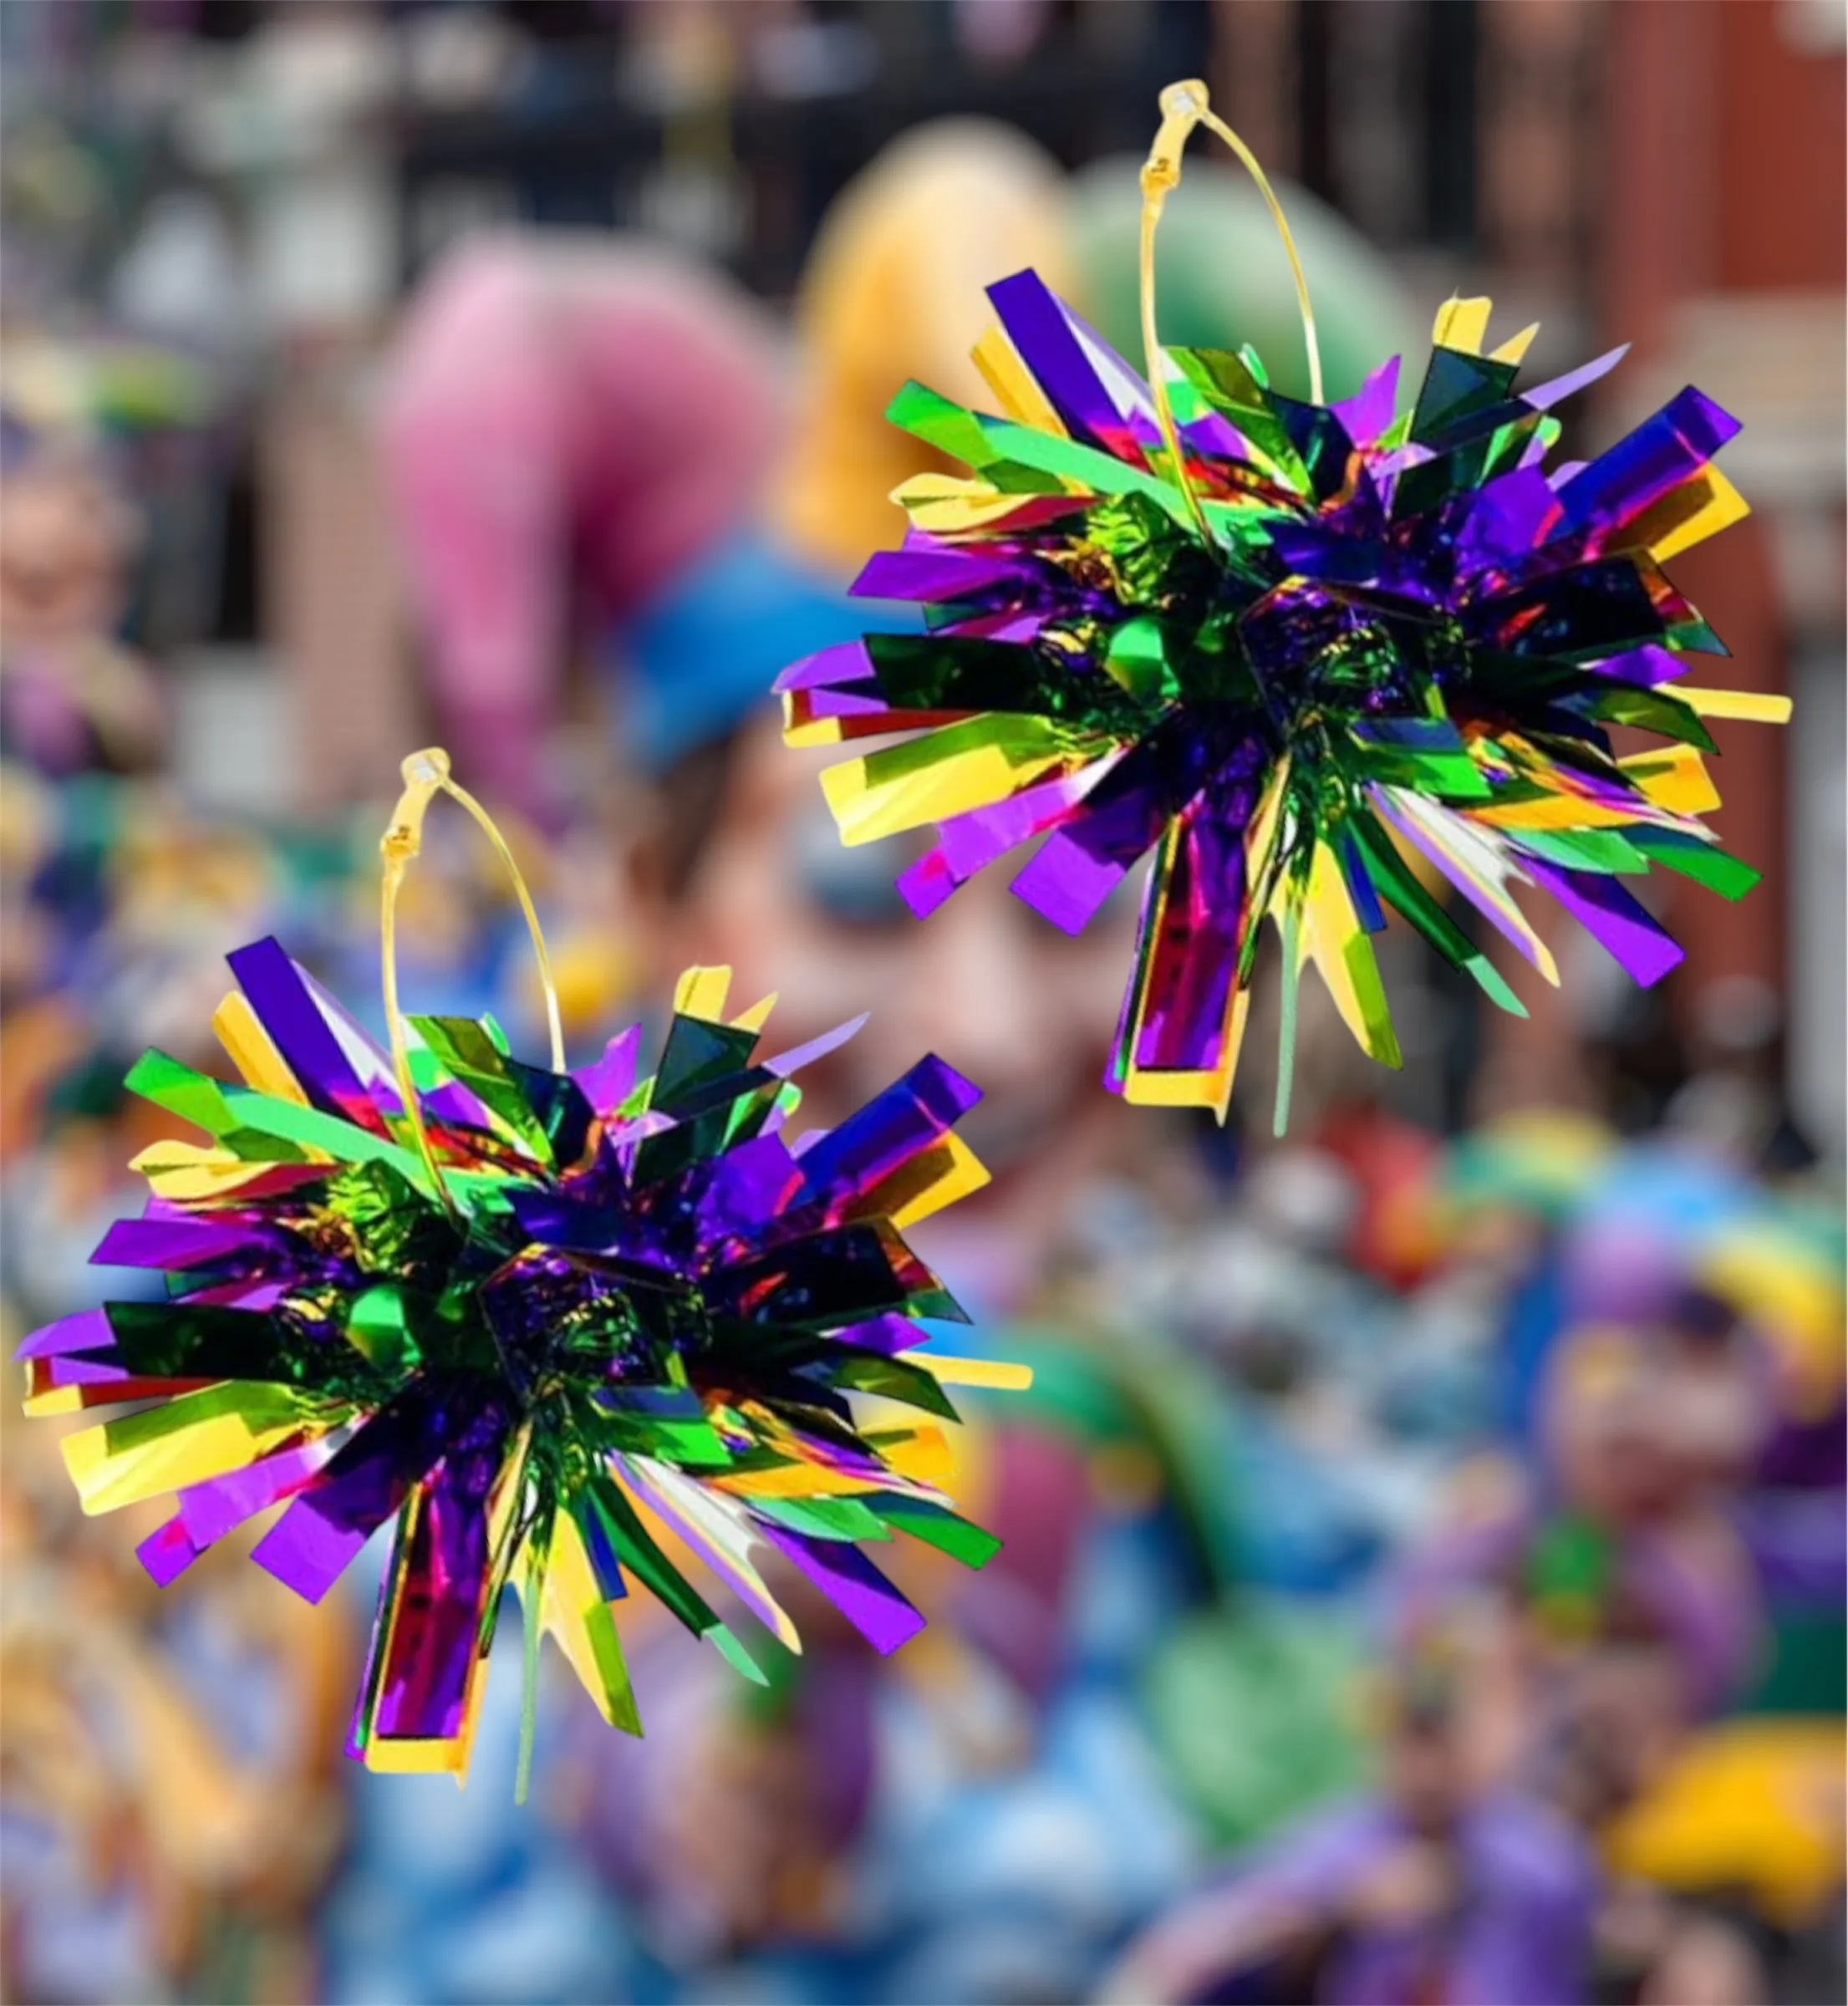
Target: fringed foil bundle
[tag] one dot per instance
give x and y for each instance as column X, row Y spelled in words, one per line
column 1351, row 654
column 627, row 1332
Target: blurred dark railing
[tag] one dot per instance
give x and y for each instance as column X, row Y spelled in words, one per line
column 585, row 154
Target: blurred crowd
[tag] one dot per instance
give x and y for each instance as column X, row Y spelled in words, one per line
column 1424, row 1567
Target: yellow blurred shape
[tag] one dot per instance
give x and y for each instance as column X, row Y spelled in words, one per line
column 1755, row 1804
column 1796, row 1303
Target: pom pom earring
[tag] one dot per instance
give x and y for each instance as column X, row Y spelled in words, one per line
column 1299, row 651
column 561, row 1328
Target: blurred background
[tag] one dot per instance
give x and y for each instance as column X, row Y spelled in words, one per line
column 1424, row 1564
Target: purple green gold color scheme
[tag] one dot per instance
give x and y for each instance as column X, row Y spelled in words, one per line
column 637, row 1326
column 1343, row 657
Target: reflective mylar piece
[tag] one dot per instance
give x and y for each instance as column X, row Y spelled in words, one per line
column 633, row 1334
column 1402, row 638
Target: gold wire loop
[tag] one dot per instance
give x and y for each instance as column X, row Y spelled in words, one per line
column 426, row 775
column 1184, row 105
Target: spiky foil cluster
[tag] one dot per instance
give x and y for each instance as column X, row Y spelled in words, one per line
column 632, row 1333
column 1398, row 637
